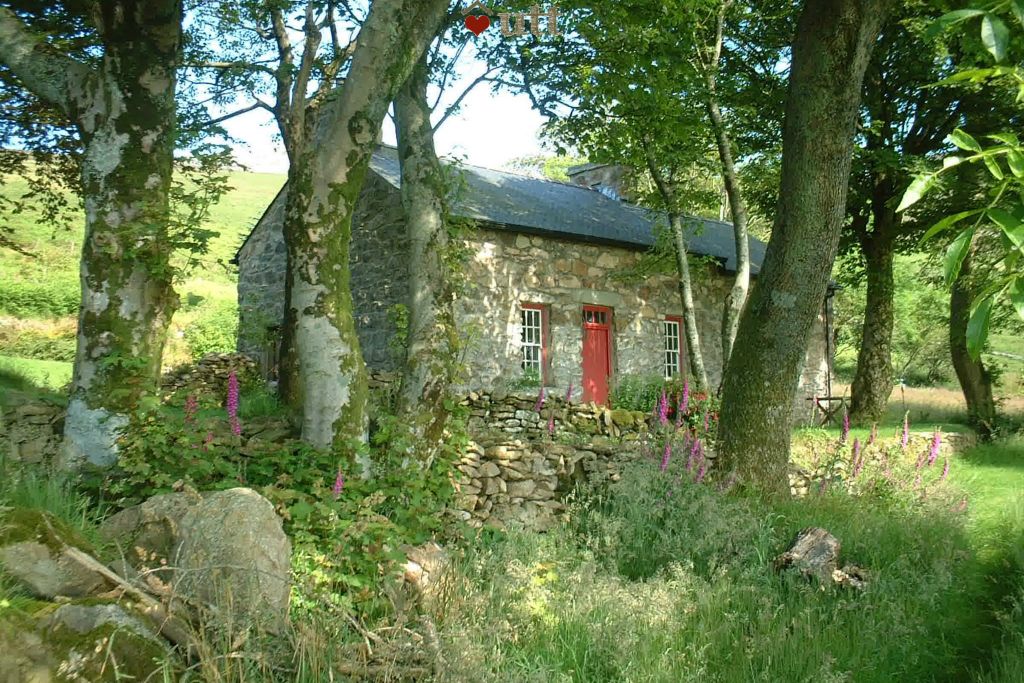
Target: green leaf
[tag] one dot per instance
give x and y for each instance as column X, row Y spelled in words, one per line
column 1015, row 159
column 1008, row 138
column 977, row 325
column 950, row 162
column 948, row 222
column 995, row 36
column 964, row 141
column 955, row 255
column 1017, row 295
column 917, row 189
column 949, row 19
column 1012, row 227
column 994, row 168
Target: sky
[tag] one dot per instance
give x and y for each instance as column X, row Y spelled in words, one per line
column 490, row 130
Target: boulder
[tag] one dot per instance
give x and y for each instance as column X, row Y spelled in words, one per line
column 233, row 553
column 33, row 550
column 225, row 549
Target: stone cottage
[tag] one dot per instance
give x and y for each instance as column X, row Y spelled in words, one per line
column 548, row 300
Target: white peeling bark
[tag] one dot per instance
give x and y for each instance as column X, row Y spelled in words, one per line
column 326, row 370
column 125, row 114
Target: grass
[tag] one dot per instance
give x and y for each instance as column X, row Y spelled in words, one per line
column 27, row 374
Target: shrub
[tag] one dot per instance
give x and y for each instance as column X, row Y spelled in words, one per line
column 213, row 330
column 50, row 298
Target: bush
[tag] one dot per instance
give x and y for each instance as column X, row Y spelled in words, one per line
column 213, row 330
column 342, row 539
column 34, row 344
column 53, row 298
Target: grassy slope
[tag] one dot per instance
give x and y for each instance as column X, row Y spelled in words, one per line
column 211, row 282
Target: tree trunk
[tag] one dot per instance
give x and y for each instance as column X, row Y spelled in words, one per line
column 432, row 341
column 125, row 112
column 737, row 296
column 329, row 375
column 872, row 382
column 700, row 375
column 975, row 379
column 833, row 43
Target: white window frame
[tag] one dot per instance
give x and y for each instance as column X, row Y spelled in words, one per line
column 531, row 340
column 671, row 332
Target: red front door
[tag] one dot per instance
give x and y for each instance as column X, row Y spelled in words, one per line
column 597, row 359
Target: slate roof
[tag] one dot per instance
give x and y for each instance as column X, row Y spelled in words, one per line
column 567, row 211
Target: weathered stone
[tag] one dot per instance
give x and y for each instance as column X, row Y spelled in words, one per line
column 489, row 469
column 34, row 550
column 814, row 553
column 234, row 552
column 522, row 489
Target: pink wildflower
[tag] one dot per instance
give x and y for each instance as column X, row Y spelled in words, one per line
column 933, row 454
column 846, row 426
column 906, row 431
column 232, row 406
column 339, row 485
column 540, row 401
column 686, row 396
column 701, row 472
column 663, row 408
column 667, row 456
column 858, row 461
column 191, row 406
column 694, row 450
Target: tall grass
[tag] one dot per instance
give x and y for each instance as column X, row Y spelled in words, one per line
column 644, row 587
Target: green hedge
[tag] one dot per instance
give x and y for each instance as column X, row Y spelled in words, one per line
column 214, row 329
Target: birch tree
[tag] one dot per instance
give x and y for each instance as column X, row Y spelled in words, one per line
column 123, row 108
column 831, row 49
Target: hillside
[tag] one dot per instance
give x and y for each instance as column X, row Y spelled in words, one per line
column 39, row 294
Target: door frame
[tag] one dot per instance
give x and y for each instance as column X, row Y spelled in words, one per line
column 607, row 327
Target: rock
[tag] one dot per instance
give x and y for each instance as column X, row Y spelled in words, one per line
column 427, row 571
column 489, row 469
column 225, row 548
column 814, row 552
column 851, row 576
column 623, row 418
column 233, row 550
column 33, row 547
column 522, row 489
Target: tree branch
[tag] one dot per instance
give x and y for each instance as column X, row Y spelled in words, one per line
column 458, row 100
column 54, row 77
column 259, row 104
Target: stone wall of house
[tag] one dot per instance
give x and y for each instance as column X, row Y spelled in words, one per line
column 379, row 273
column 506, row 269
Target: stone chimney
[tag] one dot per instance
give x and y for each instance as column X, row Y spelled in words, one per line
column 611, row 180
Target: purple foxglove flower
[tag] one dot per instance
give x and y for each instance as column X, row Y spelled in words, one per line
column 663, row 408
column 933, row 454
column 846, row 426
column 339, row 485
column 232, row 406
column 701, row 472
column 906, row 431
column 874, row 433
column 667, row 456
column 694, row 450
column 540, row 401
column 686, row 396
column 568, row 393
column 191, row 406
column 551, row 424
